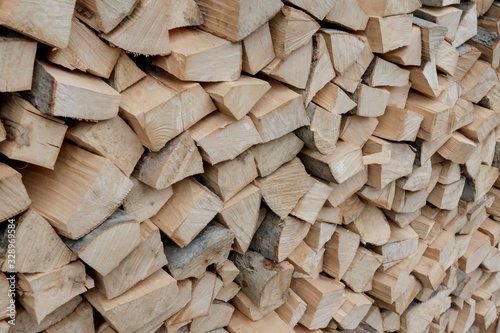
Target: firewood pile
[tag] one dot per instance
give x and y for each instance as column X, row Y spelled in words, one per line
column 249, row 166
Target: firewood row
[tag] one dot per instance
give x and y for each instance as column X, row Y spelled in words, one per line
column 249, row 166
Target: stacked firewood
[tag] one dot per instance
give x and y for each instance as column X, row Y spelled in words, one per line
column 249, row 166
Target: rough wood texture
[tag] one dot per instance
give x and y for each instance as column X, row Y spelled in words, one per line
column 103, row 16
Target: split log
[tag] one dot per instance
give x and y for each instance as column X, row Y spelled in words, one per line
column 59, row 92
column 384, row 73
column 228, row 292
column 447, row 58
column 144, row 31
column 100, row 62
column 410, row 55
column 484, row 122
column 487, row 42
column 383, row 40
column 382, row 198
column 476, row 252
column 398, row 124
column 446, row 16
column 219, row 316
column 467, row 57
column 476, row 188
column 371, row 102
column 148, row 104
column 353, row 310
column 318, row 9
column 334, row 99
column 319, row 233
column 347, row 14
column 264, row 282
column 461, row 115
column 306, row 261
column 467, row 28
column 309, row 206
column 18, row 54
column 258, row 50
column 478, row 81
column 344, row 48
column 193, row 45
column 346, row 189
column 187, row 212
column 243, row 303
column 103, row 16
column 357, row 130
column 183, row 13
column 30, row 135
column 211, row 246
column 435, row 114
column 429, row 272
column 420, row 179
column 240, row 323
column 138, row 306
column 14, row 197
column 227, row 271
column 359, row 275
column 143, row 201
column 82, row 212
column 43, row 293
column 424, row 79
column 35, row 20
column 292, row 310
column 458, row 148
column 340, row 252
column 80, row 320
column 403, row 242
column 432, row 36
column 491, row 228
column 125, row 73
column 143, row 261
column 372, row 226
column 489, row 23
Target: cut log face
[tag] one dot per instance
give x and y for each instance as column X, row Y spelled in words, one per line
column 371, row 102
column 100, row 62
column 43, row 293
column 143, row 201
column 18, row 54
column 348, row 15
column 354, row 309
column 187, row 212
column 398, row 124
column 218, row 317
column 432, row 36
column 39, row 248
column 102, row 188
column 340, row 252
column 478, row 81
column 264, row 282
column 239, row 323
column 195, row 47
column 103, row 16
column 125, row 73
column 344, row 48
column 119, row 232
column 293, row 309
column 410, row 55
column 211, row 246
column 435, row 114
column 14, row 197
column 309, row 206
column 30, row 135
column 121, row 312
column 372, row 226
column 384, row 73
column 143, row 261
column 183, row 13
column 383, row 40
column 80, row 320
column 258, row 50
column 359, row 275
column 54, row 89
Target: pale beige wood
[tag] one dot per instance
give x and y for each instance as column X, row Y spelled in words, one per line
column 144, row 201
column 461, row 114
column 283, row 198
column 277, row 103
column 213, row 132
column 125, row 73
column 183, row 13
column 328, row 214
column 359, row 275
column 7, row 300
column 292, row 310
column 382, row 39
column 371, row 102
column 323, row 296
column 344, row 163
column 489, row 23
column 101, row 189
column 30, row 135
column 227, row 271
column 248, row 308
column 403, row 242
column 99, row 62
column 476, row 252
column 478, row 187
column 377, row 158
column 478, row 81
column 219, row 316
column 111, row 138
column 465, row 317
column 424, row 79
column 228, row 292
column 143, row 261
column 240, row 323
column 435, row 114
column 319, row 233
column 347, row 14
column 351, row 209
column 353, row 310
column 14, row 197
column 447, row 16
column 447, row 58
column 419, row 179
column 340, row 252
column 485, row 314
column 344, row 190
column 141, row 304
column 290, row 29
column 334, row 99
column 372, row 226
column 468, row 55
column 432, row 36
column 447, row 196
column 384, row 73
column 452, row 90
column 39, row 249
column 18, row 54
column 382, row 198
column 467, row 28
column 309, row 206
column 227, row 178
column 103, row 16
column 357, row 130
column 211, row 246
column 258, row 50
column 492, row 261
column 191, row 48
column 457, row 149
column 398, row 124
column 45, row 292
column 487, row 42
column 391, row 321
column 408, row 201
column 429, row 272
column 344, row 48
column 491, row 228
column 409, row 55
column 148, row 19
column 79, row 321
column 59, row 92
column 36, row 20
column 278, row 237
column 389, row 7
column 241, row 215
column 484, row 122
column 374, row 319
column 187, row 212
column 305, row 260
column 398, row 95
column 402, row 219
column 443, row 249
column 150, row 102
column 318, row 9
column 236, row 98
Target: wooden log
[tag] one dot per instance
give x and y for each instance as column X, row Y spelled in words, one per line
column 318, row 9
column 359, row 275
column 122, row 312
column 487, row 42
column 372, row 226
column 435, row 115
column 409, row 55
column 457, row 149
column 227, row 271
column 277, row 238
column 192, row 45
column 492, row 261
column 241, row 215
column 448, row 17
column 183, row 13
column 103, row 17
column 100, row 62
column 348, row 15
column 491, row 228
column 398, row 124
column 211, row 246
column 390, row 320
column 125, row 73
column 447, row 196
column 366, row 98
column 309, row 206
column 35, row 20
column 187, row 212
column 478, row 81
column 374, row 319
column 290, row 29
column 383, row 40
column 401, row 163
column 80, row 320
column 333, row 99
column 340, row 251
column 467, row 28
column 227, row 178
column 18, row 53
column 148, row 103
column 219, row 316
column 14, row 197
column 7, row 301
column 292, row 310
column 353, row 310
column 235, row 99
column 476, row 252
column 389, row 7
column 488, row 23
column 384, row 73
column 424, row 79
column 143, row 201
column 351, row 209
column 43, row 293
column 382, row 198
column 319, row 233
column 420, row 179
column 344, row 48
column 214, row 131
column 305, row 260
column 82, row 212
column 91, row 98
column 357, row 130
column 467, row 57
column 484, row 122
column 239, row 323
column 346, row 189
column 228, row 292
column 143, row 261
column 264, row 282
column 432, row 36
column 452, row 90
column 129, row 34
column 429, row 272
column 447, row 58
column 243, row 303
column 323, row 296
column 39, row 249
column 283, row 199
column 30, row 135
column 258, row 50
